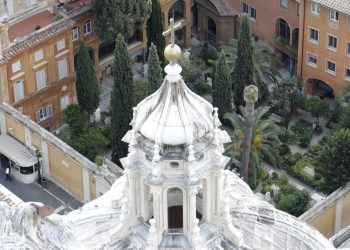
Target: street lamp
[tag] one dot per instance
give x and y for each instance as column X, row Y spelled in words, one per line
column 38, row 155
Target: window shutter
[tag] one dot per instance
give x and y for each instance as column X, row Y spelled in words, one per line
column 49, row 111
column 37, row 116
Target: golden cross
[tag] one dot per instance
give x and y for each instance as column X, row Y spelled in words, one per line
column 172, row 29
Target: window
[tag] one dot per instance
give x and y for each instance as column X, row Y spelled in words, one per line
column 62, row 68
column 312, row 59
column 284, row 3
column 253, row 13
column 347, row 74
column 30, row 2
column 75, row 33
column 61, row 44
column 18, row 91
column 40, row 79
column 245, row 8
column 348, row 49
column 16, row 66
column 315, row 8
column 313, row 35
column 38, row 55
column 64, row 102
column 249, row 10
column 332, row 42
column 87, row 28
column 330, row 67
column 334, row 15
column 43, row 113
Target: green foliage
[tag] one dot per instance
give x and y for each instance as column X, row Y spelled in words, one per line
column 242, row 74
column 122, row 99
column 264, row 138
column 204, row 54
column 99, row 160
column 119, row 17
column 88, row 91
column 285, row 95
column 86, row 138
column 257, row 57
column 192, row 69
column 140, row 90
column 155, row 28
column 201, row 88
column 155, row 76
column 316, row 107
column 75, row 119
column 342, row 108
column 333, row 160
column 222, row 96
column 295, row 203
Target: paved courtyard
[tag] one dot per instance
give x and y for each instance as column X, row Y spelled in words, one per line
column 52, row 195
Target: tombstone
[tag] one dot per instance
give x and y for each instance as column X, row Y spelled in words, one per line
column 145, row 70
column 187, row 55
column 209, row 81
column 97, row 115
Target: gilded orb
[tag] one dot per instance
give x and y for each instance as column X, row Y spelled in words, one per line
column 172, row 52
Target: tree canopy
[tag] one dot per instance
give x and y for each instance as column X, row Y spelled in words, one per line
column 316, row 107
column 333, row 160
column 155, row 75
column 155, row 28
column 242, row 74
column 222, row 93
column 122, row 99
column 114, row 17
column 88, row 91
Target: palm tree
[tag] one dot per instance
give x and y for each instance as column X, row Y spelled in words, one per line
column 263, row 72
column 263, row 141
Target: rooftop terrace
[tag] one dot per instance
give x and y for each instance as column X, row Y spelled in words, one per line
column 31, row 24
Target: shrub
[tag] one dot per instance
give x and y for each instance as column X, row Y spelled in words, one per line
column 283, row 149
column 293, row 159
column 99, row 160
column 274, row 175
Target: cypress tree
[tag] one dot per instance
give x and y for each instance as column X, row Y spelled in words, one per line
column 155, row 76
column 88, row 92
column 119, row 16
column 242, row 74
column 155, row 28
column 122, row 99
column 222, row 94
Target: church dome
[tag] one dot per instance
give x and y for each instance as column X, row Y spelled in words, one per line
column 174, row 115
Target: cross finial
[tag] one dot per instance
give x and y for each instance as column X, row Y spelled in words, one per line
column 171, row 30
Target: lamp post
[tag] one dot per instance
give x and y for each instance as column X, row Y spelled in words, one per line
column 38, row 155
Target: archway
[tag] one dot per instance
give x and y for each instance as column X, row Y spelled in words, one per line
column 106, row 49
column 211, row 32
column 177, row 12
column 283, row 31
column 320, row 88
column 175, row 208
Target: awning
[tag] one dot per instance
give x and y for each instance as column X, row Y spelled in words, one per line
column 16, row 151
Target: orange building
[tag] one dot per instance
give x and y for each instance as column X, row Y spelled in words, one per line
column 36, row 66
column 324, row 47
column 277, row 22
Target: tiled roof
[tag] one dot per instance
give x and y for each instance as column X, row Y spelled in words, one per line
column 339, row 5
column 221, row 6
column 37, row 37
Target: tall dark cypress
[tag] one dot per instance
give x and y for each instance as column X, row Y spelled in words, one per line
column 155, row 28
column 119, row 16
column 242, row 74
column 88, row 92
column 122, row 99
column 155, row 76
column 222, row 93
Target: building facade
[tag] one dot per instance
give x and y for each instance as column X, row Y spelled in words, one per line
column 324, row 48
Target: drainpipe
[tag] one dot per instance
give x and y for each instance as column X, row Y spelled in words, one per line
column 301, row 44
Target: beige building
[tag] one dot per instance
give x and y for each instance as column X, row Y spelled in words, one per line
column 59, row 163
